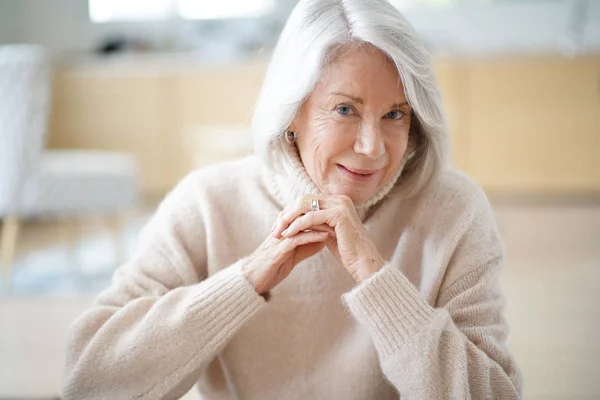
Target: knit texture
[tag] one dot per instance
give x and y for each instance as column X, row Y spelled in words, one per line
column 180, row 312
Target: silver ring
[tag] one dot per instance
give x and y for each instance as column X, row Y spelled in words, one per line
column 314, row 205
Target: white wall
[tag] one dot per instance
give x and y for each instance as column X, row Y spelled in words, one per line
column 64, row 25
column 517, row 27
column 535, row 26
column 10, row 11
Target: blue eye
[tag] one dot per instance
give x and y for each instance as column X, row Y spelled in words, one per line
column 344, row 109
column 396, row 114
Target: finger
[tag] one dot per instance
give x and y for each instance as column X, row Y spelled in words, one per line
column 313, row 218
column 322, row 228
column 277, row 217
column 308, row 250
column 303, row 238
column 301, row 207
column 333, row 248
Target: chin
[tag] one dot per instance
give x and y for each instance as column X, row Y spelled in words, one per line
column 358, row 196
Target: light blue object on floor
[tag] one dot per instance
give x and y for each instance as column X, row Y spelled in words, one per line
column 53, row 271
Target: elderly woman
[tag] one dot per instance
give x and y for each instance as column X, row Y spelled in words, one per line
column 343, row 261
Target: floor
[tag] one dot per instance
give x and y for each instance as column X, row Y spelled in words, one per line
column 551, row 281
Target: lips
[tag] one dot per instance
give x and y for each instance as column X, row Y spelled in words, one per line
column 358, row 174
column 361, row 171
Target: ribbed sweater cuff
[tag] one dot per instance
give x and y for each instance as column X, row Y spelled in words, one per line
column 223, row 302
column 390, row 307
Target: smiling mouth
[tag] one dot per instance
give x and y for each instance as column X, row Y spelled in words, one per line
column 358, row 174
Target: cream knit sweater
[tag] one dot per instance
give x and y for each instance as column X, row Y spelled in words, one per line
column 429, row 325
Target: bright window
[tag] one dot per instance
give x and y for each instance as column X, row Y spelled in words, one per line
column 218, row 9
column 403, row 4
column 130, row 10
column 144, row 10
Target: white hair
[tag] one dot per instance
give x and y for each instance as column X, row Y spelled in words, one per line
column 313, row 36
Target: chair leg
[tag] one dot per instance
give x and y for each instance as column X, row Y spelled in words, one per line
column 8, row 248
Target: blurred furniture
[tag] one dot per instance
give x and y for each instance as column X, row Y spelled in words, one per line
column 218, row 143
column 527, row 125
column 152, row 108
column 39, row 183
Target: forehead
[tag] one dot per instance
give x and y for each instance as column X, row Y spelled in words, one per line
column 363, row 71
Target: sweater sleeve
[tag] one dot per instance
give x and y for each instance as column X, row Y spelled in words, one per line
column 160, row 323
column 456, row 348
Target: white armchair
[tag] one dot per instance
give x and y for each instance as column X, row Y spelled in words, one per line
column 39, row 183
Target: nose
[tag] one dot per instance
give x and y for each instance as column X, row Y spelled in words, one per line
column 369, row 141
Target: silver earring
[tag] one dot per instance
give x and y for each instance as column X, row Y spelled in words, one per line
column 290, row 137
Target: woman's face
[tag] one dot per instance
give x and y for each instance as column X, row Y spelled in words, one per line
column 352, row 132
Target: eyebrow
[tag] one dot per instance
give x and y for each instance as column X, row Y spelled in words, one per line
column 360, row 101
column 399, row 105
column 355, row 99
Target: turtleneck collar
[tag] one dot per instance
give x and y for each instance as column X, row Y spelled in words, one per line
column 294, row 182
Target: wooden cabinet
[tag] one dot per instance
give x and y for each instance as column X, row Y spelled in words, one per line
column 452, row 77
column 114, row 112
column 153, row 113
column 214, row 99
column 518, row 126
column 534, row 125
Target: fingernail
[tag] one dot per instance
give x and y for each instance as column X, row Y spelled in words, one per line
column 285, row 232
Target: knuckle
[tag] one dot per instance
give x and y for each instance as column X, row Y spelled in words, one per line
column 303, row 200
column 309, row 218
column 344, row 212
column 345, row 199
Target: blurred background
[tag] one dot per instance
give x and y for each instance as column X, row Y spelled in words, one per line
column 138, row 93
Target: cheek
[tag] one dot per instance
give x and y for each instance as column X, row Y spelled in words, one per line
column 331, row 139
column 315, row 148
column 397, row 146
